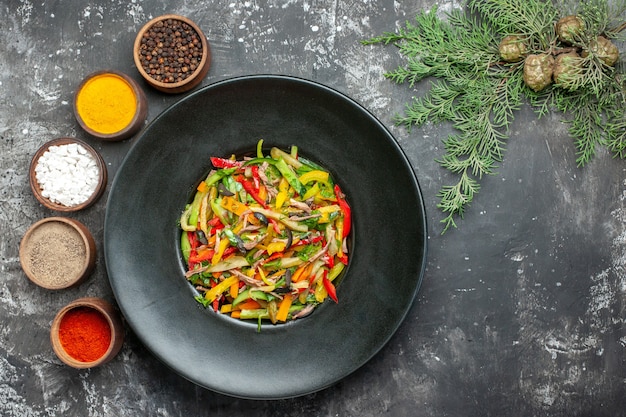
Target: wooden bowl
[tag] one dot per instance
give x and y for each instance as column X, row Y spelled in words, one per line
column 57, row 253
column 64, row 324
column 116, row 91
column 158, row 80
column 40, row 192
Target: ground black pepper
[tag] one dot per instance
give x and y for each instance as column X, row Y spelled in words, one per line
column 55, row 253
column 170, row 51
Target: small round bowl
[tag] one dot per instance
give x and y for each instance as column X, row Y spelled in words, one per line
column 57, row 253
column 157, row 76
column 75, row 321
column 125, row 101
column 42, row 192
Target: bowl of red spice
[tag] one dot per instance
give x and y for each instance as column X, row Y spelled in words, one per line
column 57, row 253
column 172, row 54
column 86, row 333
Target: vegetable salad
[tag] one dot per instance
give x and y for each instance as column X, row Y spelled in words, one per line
column 265, row 237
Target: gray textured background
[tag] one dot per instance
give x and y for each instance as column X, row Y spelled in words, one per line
column 522, row 309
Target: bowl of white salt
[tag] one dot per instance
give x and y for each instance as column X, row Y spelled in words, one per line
column 67, row 174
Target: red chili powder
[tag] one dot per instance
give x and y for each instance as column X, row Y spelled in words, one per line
column 84, row 334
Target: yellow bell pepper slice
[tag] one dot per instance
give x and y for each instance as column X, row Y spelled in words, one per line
column 275, row 247
column 202, row 187
column 326, row 211
column 234, row 289
column 262, row 192
column 303, row 295
column 264, row 277
column 283, row 309
column 214, row 292
column 283, row 193
column 220, row 251
column 234, row 206
column 311, row 192
column 315, row 175
column 205, row 208
column 320, row 292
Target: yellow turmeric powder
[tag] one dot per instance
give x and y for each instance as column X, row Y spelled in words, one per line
column 106, row 103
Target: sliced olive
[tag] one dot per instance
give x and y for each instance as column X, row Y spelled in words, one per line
column 288, row 274
column 261, row 217
column 289, row 238
column 287, row 286
column 221, row 188
column 201, row 237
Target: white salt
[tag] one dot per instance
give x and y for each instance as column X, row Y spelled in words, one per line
column 67, row 174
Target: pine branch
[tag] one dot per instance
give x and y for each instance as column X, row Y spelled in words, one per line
column 455, row 199
column 534, row 19
column 438, row 106
column 616, row 132
column 586, row 127
column 479, row 88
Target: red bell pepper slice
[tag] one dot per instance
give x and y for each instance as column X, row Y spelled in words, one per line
column 204, row 256
column 255, row 176
column 308, row 241
column 225, row 163
column 193, row 245
column 345, row 208
column 274, row 256
column 193, row 240
column 229, row 251
column 330, row 261
column 216, row 223
column 330, row 287
column 252, row 191
column 275, row 225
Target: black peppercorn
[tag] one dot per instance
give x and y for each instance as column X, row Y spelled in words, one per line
column 170, row 51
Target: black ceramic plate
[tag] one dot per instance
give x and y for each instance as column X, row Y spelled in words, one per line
column 155, row 182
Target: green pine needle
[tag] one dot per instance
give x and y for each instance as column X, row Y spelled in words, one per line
column 472, row 88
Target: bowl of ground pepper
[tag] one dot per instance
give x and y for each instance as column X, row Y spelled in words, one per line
column 86, row 333
column 57, row 253
column 110, row 105
column 172, row 54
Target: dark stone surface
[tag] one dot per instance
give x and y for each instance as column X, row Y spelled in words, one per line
column 522, row 309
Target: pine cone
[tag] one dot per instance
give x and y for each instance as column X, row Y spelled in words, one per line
column 512, row 48
column 569, row 28
column 567, row 68
column 604, row 49
column 538, row 71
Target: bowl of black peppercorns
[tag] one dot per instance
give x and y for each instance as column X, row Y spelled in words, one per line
column 172, row 54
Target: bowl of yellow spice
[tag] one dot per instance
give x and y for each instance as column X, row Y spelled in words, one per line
column 110, row 105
